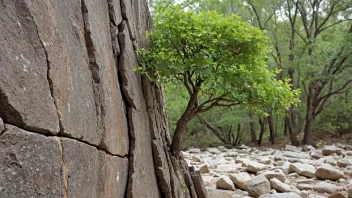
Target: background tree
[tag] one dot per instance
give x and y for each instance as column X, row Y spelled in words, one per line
column 220, row 61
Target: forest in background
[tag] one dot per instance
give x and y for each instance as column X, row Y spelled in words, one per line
column 310, row 43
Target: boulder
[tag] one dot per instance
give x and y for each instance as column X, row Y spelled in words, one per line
column 196, row 158
column 325, row 172
column 216, row 193
column 337, row 195
column 194, row 150
column 328, row 150
column 302, row 169
column 305, row 186
column 281, row 195
column 282, row 187
column 315, row 196
column 264, row 160
column 213, row 150
column 308, row 148
column 257, row 186
column 330, row 160
column 315, row 155
column 225, row 183
column 325, row 187
column 278, row 173
column 204, row 168
column 292, row 148
column 239, row 179
column 255, row 167
column 298, row 155
column 344, row 163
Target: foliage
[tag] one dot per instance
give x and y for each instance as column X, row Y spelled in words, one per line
column 224, row 56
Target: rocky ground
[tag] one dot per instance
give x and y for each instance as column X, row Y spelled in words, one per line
column 265, row 172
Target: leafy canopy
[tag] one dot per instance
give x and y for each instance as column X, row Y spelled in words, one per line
column 222, row 56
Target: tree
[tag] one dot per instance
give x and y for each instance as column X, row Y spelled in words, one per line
column 220, row 61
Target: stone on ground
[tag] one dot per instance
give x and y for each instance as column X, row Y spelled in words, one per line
column 257, row 186
column 239, row 179
column 325, row 187
column 282, row 187
column 281, row 195
column 255, row 167
column 325, row 172
column 194, row 150
column 337, row 195
column 213, row 150
column 328, row 150
column 302, row 169
column 225, row 183
column 204, row 169
column 278, row 173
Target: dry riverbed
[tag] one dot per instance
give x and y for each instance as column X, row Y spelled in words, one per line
column 270, row 173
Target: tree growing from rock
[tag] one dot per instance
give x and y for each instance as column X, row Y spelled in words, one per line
column 220, row 61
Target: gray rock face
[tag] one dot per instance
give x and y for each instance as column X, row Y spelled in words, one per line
column 2, row 126
column 112, row 175
column 325, row 172
column 281, row 195
column 325, row 187
column 80, row 168
column 225, row 183
column 25, row 94
column 350, row 191
column 257, row 186
column 29, row 164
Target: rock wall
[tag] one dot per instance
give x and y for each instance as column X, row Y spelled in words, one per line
column 75, row 119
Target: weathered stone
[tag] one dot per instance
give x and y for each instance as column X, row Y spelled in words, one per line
column 217, row 193
column 282, row 187
column 281, row 195
column 199, row 186
column 327, row 150
column 275, row 174
column 213, row 150
column 127, row 14
column 305, row 186
column 325, row 187
column 292, row 148
column 196, row 158
column 112, row 176
column 302, row 169
column 308, row 148
column 257, row 186
column 107, row 93
column 225, row 183
column 80, row 165
column 25, row 93
column 162, row 168
column 30, row 164
column 115, row 11
column 264, row 160
column 344, row 163
column 315, row 155
column 350, row 191
column 255, row 167
column 298, row 155
column 330, row 160
column 204, row 168
column 140, row 161
column 325, row 172
column 239, row 179
column 315, row 196
column 194, row 150
column 337, row 195
column 2, row 126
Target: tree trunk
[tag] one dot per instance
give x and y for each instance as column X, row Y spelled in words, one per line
column 308, row 127
column 225, row 138
column 285, row 127
column 292, row 133
column 262, row 130
column 180, row 130
column 271, row 127
column 251, row 126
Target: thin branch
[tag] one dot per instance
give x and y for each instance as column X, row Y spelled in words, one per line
column 340, row 21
